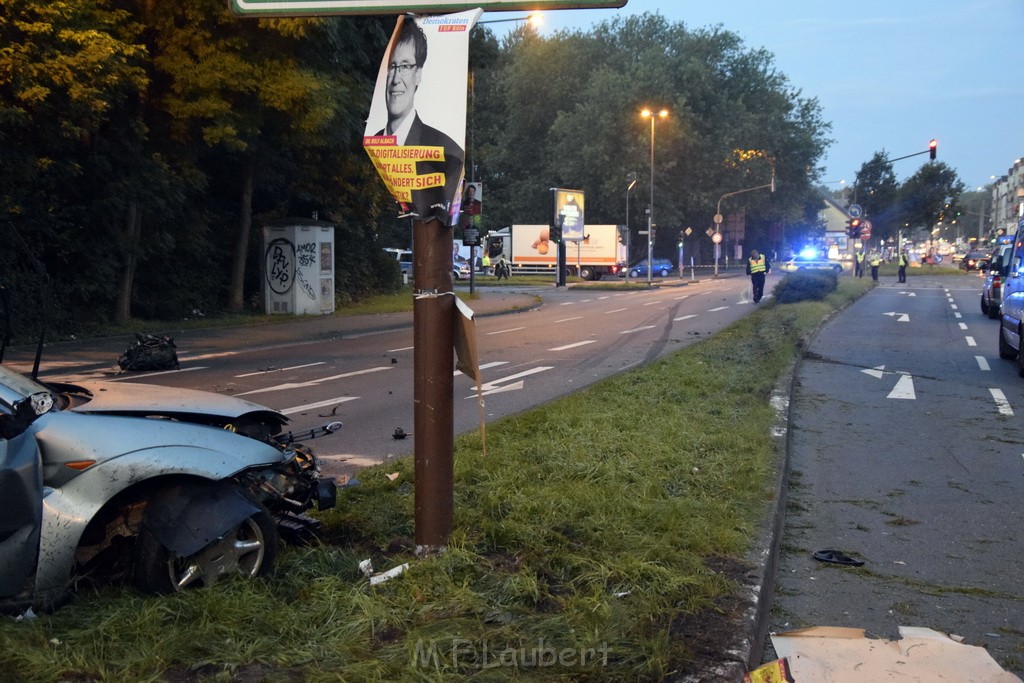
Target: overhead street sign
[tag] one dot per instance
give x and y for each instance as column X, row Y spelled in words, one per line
column 296, row 8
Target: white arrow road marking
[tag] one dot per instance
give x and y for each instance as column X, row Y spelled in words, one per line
column 970, row 341
column 908, row 293
column 878, row 372
column 715, row 310
column 1001, row 402
column 495, row 386
column 903, row 317
column 982, row 363
column 904, row 388
column 685, row 317
column 637, row 329
column 573, row 346
column 314, row 382
column 293, row 367
column 318, row 404
column 484, row 366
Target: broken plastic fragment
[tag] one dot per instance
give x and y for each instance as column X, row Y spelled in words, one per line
column 389, row 574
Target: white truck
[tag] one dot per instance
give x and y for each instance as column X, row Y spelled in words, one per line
column 529, row 248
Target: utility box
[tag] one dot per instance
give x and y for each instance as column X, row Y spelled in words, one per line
column 298, row 267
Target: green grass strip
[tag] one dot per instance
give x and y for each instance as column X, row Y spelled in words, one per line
column 589, row 542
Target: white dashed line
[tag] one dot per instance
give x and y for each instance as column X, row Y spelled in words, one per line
column 1001, row 402
column 970, row 341
column 963, row 326
column 982, row 363
column 569, row 320
column 685, row 317
column 715, row 310
column 573, row 346
column 511, row 329
column 638, row 329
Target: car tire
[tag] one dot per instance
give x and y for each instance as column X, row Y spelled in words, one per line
column 634, row 273
column 663, row 273
column 250, row 549
column 1006, row 352
column 587, row 273
column 837, row 270
column 993, row 312
column 984, row 305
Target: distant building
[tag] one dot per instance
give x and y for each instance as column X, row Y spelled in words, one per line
column 1008, row 200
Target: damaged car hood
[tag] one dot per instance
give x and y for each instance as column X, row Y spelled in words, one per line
column 123, row 398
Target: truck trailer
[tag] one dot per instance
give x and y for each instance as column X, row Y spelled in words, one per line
column 529, row 249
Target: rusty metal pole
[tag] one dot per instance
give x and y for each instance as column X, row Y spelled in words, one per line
column 433, row 384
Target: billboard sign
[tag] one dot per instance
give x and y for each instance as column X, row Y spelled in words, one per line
column 298, row 8
column 569, row 206
column 416, row 130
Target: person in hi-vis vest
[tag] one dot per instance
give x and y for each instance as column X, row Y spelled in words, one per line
column 757, row 268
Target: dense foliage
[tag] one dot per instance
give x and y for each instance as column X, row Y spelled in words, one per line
column 805, row 286
column 145, row 144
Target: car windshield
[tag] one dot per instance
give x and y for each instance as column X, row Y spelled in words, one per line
column 14, row 386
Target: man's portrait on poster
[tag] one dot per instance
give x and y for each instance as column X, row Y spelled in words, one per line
column 404, row 77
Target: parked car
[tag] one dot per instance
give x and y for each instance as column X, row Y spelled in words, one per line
column 996, row 271
column 810, row 263
column 461, row 269
column 662, row 267
column 975, row 260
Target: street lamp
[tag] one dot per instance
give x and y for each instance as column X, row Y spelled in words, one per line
column 631, row 180
column 651, row 114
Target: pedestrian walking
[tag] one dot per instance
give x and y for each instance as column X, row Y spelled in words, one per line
column 485, row 264
column 757, row 268
column 874, row 260
column 858, row 263
column 901, row 261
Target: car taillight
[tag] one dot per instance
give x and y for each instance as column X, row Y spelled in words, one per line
column 997, row 282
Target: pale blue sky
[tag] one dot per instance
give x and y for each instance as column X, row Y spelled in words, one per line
column 889, row 74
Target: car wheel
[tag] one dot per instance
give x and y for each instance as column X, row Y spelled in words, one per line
column 587, row 273
column 993, row 312
column 984, row 305
column 663, row 273
column 837, row 270
column 634, row 273
column 249, row 550
column 1006, row 352
column 1020, row 361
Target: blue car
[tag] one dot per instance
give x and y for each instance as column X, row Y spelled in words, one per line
column 662, row 267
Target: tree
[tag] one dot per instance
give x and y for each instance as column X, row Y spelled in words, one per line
column 877, row 190
column 930, row 196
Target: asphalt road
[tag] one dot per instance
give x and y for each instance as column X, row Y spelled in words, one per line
column 361, row 373
column 906, row 452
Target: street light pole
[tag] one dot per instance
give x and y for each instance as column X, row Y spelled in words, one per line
column 631, row 180
column 649, row 114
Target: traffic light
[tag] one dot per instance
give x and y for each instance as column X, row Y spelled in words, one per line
column 853, row 227
column 932, row 147
column 555, row 231
column 682, row 236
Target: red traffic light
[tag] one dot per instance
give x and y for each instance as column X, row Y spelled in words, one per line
column 932, row 147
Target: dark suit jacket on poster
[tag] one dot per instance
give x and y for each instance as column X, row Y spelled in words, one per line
column 422, row 135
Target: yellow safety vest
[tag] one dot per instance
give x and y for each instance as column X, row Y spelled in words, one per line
column 860, row 257
column 758, row 265
column 876, row 260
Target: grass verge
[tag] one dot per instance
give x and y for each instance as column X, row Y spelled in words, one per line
column 600, row 539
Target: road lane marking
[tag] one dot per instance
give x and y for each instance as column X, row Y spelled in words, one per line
column 963, row 326
column 903, row 317
column 958, row 316
column 313, row 382
column 404, row 348
column 318, row 404
column 485, row 366
column 568, row 303
column 511, row 329
column 573, row 346
column 1000, row 398
column 982, row 363
column 970, row 341
column 637, row 329
column 904, row 388
column 153, row 374
column 953, row 306
column 715, row 310
column 617, row 310
column 569, row 320
column 497, row 386
column 293, row 367
column 878, row 372
column 685, row 317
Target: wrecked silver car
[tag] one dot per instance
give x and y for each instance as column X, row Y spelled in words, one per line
column 165, row 488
